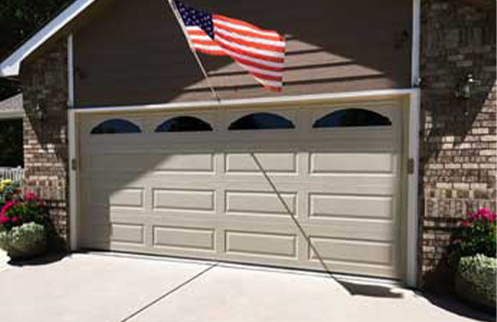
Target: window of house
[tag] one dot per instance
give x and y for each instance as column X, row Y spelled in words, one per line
column 11, row 143
column 261, row 121
column 352, row 117
column 116, row 126
column 184, row 124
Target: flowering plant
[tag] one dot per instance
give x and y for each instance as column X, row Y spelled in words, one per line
column 476, row 234
column 9, row 190
column 19, row 211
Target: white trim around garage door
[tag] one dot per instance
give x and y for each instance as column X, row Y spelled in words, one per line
column 411, row 96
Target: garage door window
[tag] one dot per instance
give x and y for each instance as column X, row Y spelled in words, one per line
column 184, row 124
column 261, row 121
column 116, row 126
column 352, row 117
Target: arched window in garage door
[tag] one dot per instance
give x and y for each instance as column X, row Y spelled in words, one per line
column 353, row 117
column 116, row 126
column 184, row 124
column 261, row 121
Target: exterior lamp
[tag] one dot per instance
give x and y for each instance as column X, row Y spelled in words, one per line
column 466, row 88
column 40, row 112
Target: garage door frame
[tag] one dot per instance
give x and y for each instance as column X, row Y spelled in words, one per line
column 410, row 128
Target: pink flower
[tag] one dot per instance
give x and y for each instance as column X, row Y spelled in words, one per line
column 14, row 219
column 4, row 220
column 483, row 211
column 30, row 196
column 465, row 223
column 6, row 207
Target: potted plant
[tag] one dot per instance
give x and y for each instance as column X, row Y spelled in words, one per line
column 472, row 251
column 22, row 222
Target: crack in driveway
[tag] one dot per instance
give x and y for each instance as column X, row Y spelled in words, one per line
column 163, row 296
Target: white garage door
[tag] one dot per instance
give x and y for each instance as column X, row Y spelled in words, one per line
column 187, row 184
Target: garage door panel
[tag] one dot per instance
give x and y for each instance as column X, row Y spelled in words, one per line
column 120, row 198
column 260, row 244
column 204, row 196
column 192, row 238
column 333, row 249
column 270, row 162
column 358, row 229
column 184, row 200
column 259, row 203
column 354, row 185
column 186, row 162
column 328, row 206
column 329, row 162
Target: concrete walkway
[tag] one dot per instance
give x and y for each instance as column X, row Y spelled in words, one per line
column 102, row 288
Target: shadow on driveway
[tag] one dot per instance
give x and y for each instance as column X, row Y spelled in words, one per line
column 456, row 306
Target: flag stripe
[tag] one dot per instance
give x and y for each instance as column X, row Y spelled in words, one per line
column 246, row 61
column 250, row 44
column 242, row 25
column 246, row 32
column 249, row 38
column 264, row 54
column 260, row 71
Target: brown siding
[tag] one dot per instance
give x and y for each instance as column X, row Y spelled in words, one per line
column 135, row 53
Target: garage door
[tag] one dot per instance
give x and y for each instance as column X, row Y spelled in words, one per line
column 188, row 183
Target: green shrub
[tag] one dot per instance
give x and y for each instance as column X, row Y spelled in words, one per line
column 477, row 279
column 24, row 241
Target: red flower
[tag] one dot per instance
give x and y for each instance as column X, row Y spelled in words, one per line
column 4, row 220
column 465, row 223
column 30, row 196
column 14, row 219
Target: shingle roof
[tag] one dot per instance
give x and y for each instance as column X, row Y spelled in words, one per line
column 12, row 104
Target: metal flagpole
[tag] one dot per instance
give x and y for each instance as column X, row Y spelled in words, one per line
column 181, row 23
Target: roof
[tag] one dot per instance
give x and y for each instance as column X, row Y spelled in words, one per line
column 11, row 65
column 12, row 107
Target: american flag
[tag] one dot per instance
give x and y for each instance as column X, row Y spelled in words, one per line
column 260, row 52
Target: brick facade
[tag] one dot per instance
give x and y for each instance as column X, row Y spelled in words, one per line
column 458, row 136
column 44, row 84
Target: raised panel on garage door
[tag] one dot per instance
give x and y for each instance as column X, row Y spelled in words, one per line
column 202, row 194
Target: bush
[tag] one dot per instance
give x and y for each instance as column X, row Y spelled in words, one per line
column 475, row 235
column 24, row 241
column 22, row 210
column 477, row 279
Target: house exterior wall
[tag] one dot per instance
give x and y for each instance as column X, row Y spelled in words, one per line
column 136, row 53
column 458, row 137
column 44, row 83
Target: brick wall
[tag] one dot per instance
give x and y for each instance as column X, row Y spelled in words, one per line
column 44, row 83
column 458, row 137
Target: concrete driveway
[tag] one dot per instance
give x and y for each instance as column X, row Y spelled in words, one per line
column 103, row 288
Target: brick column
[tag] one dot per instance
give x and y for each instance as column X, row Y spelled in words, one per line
column 44, row 83
column 458, row 137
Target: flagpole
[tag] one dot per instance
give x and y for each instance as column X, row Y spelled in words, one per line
column 197, row 58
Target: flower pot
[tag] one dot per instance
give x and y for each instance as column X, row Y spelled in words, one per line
column 475, row 281
column 24, row 242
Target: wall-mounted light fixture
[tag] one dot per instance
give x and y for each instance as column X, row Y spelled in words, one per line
column 40, row 112
column 465, row 89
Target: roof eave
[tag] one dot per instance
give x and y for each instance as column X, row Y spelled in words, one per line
column 10, row 67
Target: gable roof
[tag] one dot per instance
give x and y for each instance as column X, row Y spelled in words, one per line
column 11, row 65
column 12, row 106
